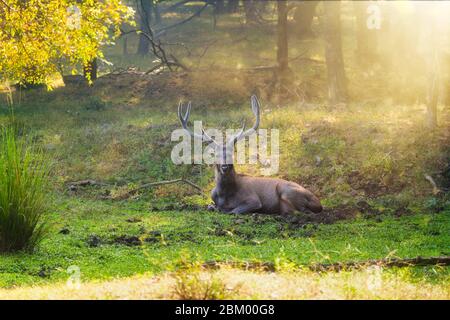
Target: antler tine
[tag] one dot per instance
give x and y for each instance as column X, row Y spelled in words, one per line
column 256, row 112
column 207, row 138
column 184, row 123
column 237, row 136
column 184, row 119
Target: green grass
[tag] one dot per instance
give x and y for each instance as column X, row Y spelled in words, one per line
column 23, row 189
column 372, row 155
column 168, row 236
column 366, row 161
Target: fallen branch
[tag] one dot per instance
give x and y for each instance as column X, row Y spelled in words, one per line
column 435, row 187
column 270, row 266
column 87, row 182
column 156, row 184
column 407, row 262
column 162, row 65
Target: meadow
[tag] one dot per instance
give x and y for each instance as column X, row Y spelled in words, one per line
column 367, row 161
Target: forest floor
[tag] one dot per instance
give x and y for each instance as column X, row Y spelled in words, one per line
column 367, row 161
column 370, row 179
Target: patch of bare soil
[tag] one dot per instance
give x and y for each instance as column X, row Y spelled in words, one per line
column 327, row 216
column 216, row 87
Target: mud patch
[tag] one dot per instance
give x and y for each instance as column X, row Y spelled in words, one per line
column 94, row 241
column 327, row 216
column 128, row 240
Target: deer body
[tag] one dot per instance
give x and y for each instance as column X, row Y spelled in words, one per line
column 237, row 193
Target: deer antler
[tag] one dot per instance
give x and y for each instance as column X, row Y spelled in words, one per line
column 242, row 134
column 184, row 121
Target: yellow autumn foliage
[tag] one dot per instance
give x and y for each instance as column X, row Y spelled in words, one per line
column 37, row 37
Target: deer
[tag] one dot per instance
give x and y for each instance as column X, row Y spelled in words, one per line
column 239, row 193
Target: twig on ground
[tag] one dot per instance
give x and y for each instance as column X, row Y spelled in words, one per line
column 436, row 190
column 90, row 182
column 87, row 182
column 156, row 184
column 270, row 266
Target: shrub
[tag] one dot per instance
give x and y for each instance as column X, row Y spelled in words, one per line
column 197, row 285
column 23, row 184
column 193, row 283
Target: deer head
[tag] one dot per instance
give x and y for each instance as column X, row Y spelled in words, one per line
column 224, row 151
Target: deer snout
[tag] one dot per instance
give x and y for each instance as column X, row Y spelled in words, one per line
column 224, row 168
column 314, row 204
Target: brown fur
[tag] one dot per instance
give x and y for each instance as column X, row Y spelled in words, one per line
column 236, row 193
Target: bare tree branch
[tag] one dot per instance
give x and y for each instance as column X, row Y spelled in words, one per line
column 157, row 49
column 160, row 31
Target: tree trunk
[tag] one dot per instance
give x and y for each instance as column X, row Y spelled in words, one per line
column 446, row 82
column 282, row 48
column 145, row 13
column 251, row 15
column 303, row 17
column 232, row 6
column 433, row 88
column 157, row 12
column 125, row 46
column 262, row 7
column 90, row 70
column 366, row 39
column 219, row 7
column 432, row 55
column 337, row 84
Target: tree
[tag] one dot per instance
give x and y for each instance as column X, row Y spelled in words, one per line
column 282, row 47
column 232, row 6
column 157, row 12
column 90, row 70
column 303, row 17
column 219, row 7
column 145, row 14
column 36, row 36
column 337, row 84
column 432, row 56
column 251, row 14
column 366, row 33
column 432, row 90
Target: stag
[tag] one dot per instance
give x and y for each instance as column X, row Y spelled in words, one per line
column 240, row 193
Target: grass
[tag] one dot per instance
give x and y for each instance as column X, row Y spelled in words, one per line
column 168, row 236
column 372, row 163
column 371, row 283
column 23, row 187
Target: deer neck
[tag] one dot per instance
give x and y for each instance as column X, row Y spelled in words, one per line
column 227, row 183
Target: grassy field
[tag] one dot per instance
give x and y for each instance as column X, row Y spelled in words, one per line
column 384, row 214
column 226, row 283
column 367, row 162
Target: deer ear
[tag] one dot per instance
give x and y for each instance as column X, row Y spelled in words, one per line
column 255, row 104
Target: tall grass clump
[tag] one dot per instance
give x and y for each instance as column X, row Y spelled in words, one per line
column 23, row 189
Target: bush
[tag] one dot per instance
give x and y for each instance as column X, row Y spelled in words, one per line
column 197, row 285
column 23, row 184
